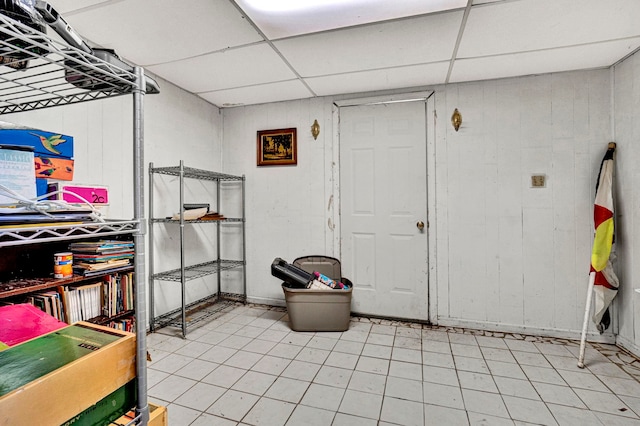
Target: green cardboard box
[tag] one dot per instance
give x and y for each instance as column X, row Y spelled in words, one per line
column 54, row 377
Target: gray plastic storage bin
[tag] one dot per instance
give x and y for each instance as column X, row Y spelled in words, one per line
column 319, row 310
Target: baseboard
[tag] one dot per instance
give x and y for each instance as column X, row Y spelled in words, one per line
column 533, row 331
column 628, row 345
column 497, row 327
column 266, row 301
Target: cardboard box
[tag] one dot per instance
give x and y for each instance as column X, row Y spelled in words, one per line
column 107, row 409
column 41, row 186
column 52, row 378
column 45, row 144
column 54, row 168
column 157, row 416
column 96, row 195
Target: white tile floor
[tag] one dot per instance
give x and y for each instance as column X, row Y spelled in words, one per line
column 248, row 367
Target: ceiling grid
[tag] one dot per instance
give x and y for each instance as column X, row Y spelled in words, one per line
column 238, row 52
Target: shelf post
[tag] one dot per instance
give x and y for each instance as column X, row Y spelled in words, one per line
column 152, row 313
column 142, row 409
column 182, row 265
column 244, row 244
column 218, row 244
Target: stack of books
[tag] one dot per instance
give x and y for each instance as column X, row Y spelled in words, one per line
column 83, row 302
column 92, row 258
column 117, row 294
column 110, row 296
column 49, row 302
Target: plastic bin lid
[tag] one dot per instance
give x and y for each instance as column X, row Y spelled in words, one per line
column 326, row 265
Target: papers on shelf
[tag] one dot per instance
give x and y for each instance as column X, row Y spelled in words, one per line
column 191, row 214
column 16, row 173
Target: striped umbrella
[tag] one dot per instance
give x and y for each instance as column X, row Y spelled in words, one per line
column 606, row 282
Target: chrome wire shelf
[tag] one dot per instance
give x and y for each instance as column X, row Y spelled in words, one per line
column 198, row 271
column 200, row 310
column 31, row 235
column 190, row 172
column 36, row 71
column 185, row 315
column 167, row 220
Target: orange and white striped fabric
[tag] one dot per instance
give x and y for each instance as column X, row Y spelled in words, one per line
column 606, row 282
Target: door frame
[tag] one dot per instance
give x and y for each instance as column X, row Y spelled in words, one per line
column 333, row 239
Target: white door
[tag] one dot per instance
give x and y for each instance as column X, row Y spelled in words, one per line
column 383, row 196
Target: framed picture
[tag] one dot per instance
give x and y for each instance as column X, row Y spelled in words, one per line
column 277, row 147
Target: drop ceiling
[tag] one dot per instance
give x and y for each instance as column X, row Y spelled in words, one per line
column 236, row 52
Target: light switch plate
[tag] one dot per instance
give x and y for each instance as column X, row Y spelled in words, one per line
column 538, row 181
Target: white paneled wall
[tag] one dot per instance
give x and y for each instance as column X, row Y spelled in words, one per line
column 511, row 256
column 508, row 256
column 286, row 206
column 627, row 182
column 180, row 126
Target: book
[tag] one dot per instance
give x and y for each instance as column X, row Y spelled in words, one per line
column 97, row 258
column 24, row 321
column 117, row 294
column 100, row 246
column 87, row 273
column 21, row 217
column 101, row 265
column 17, row 173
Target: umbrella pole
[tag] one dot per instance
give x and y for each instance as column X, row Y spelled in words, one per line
column 585, row 322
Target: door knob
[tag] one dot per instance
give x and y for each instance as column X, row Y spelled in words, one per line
column 420, row 225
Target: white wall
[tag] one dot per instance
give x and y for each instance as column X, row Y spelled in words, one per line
column 508, row 256
column 627, row 182
column 177, row 126
column 286, row 206
column 513, row 257
column 180, row 126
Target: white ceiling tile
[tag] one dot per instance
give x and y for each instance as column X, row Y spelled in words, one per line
column 408, row 42
column 242, row 66
column 391, row 78
column 307, row 16
column 66, row 6
column 544, row 61
column 160, row 31
column 526, row 25
column 263, row 93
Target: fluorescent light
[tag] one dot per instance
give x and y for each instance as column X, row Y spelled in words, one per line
column 295, row 5
column 286, row 18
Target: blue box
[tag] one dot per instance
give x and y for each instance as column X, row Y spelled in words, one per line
column 44, row 143
column 42, row 186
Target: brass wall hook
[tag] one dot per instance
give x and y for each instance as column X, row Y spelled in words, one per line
column 315, row 129
column 456, row 119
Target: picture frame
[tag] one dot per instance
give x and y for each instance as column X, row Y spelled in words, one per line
column 277, row 147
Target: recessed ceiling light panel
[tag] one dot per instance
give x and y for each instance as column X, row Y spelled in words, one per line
column 294, row 5
column 285, row 18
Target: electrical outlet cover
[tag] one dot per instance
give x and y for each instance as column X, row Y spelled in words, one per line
column 538, row 181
